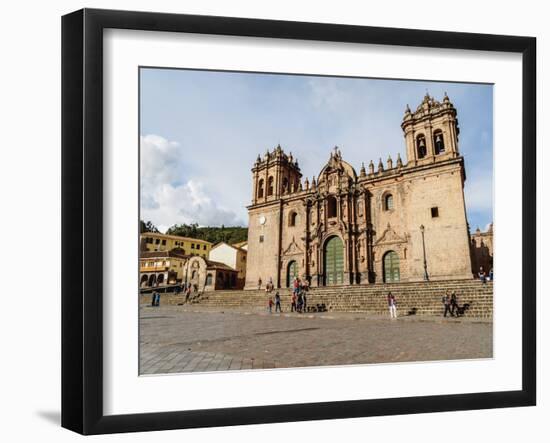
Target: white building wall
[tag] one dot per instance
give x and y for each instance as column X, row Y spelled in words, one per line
column 224, row 254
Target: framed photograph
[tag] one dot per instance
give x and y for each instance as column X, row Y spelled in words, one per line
column 269, row 221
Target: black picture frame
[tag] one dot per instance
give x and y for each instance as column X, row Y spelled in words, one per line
column 82, row 218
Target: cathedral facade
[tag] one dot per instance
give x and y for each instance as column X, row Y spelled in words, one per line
column 394, row 222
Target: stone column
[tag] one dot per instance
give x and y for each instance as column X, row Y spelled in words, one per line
column 410, row 142
column 370, row 277
column 306, row 241
column 255, row 187
column 279, row 244
column 266, row 182
column 429, row 141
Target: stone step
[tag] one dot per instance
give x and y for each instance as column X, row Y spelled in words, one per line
column 422, row 298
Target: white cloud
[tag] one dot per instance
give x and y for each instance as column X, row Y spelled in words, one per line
column 160, row 160
column 168, row 197
column 327, row 94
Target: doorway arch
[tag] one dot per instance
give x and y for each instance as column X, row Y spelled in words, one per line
column 334, row 261
column 291, row 273
column 391, row 267
column 144, row 280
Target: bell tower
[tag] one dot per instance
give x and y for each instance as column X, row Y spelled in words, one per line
column 274, row 176
column 431, row 132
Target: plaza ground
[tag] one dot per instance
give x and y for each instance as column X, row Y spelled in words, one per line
column 175, row 339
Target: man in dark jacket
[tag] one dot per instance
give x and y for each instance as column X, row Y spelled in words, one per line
column 447, row 303
column 454, row 304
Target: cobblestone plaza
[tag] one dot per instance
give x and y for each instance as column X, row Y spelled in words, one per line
column 176, row 339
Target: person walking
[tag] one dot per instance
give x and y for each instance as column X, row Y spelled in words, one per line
column 154, row 298
column 293, row 302
column 277, row 302
column 270, row 305
column 392, row 305
column 447, row 303
column 454, row 304
column 259, row 283
column 304, row 301
column 300, row 302
column 491, row 275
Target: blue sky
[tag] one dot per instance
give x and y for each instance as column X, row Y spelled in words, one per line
column 201, row 132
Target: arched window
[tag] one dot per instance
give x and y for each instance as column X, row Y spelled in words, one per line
column 388, row 202
column 439, row 145
column 331, row 207
column 261, row 188
column 421, row 146
column 270, row 186
column 292, row 218
column 209, row 279
column 285, row 185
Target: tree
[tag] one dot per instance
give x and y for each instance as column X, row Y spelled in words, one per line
column 147, row 227
column 213, row 234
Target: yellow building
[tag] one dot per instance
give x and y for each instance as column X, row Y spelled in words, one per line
column 162, row 268
column 156, row 242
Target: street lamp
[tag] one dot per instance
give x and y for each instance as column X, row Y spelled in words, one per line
column 426, row 278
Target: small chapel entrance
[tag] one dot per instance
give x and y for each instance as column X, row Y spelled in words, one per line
column 292, row 273
column 334, row 261
column 391, row 267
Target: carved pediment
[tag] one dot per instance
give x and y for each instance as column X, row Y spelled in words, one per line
column 336, row 167
column 293, row 248
column 389, row 236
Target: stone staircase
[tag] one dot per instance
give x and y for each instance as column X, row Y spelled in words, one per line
column 418, row 298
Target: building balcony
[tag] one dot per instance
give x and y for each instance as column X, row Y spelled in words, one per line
column 154, row 268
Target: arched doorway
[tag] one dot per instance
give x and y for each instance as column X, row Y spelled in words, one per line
column 292, row 273
column 160, row 279
column 334, row 261
column 143, row 281
column 152, row 280
column 172, row 277
column 391, row 267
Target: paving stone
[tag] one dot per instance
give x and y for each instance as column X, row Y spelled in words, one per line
column 180, row 339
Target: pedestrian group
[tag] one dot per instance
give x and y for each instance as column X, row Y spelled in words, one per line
column 298, row 298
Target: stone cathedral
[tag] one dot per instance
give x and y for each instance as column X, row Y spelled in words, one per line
column 401, row 221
